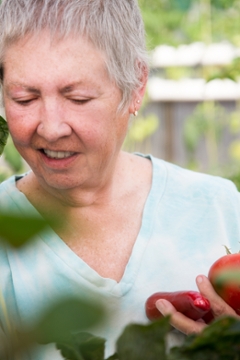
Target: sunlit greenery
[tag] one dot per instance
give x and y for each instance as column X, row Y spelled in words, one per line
column 183, row 21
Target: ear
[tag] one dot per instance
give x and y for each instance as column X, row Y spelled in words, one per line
column 137, row 96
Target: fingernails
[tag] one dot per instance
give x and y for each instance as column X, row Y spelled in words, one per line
column 199, row 279
column 162, row 306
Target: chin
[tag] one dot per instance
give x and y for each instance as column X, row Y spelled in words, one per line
column 60, row 182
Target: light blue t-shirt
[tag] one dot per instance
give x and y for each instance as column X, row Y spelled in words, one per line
column 187, row 219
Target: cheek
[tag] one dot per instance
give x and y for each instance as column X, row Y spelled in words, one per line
column 101, row 142
column 96, row 129
column 97, row 140
column 18, row 127
column 122, row 128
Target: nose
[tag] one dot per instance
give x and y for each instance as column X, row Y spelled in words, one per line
column 52, row 125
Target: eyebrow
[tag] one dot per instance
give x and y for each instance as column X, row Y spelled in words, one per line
column 71, row 87
column 24, row 87
column 66, row 89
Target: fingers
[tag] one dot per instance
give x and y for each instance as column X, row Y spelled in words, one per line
column 188, row 326
column 218, row 305
column 178, row 320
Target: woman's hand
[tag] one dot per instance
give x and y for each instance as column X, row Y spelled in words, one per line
column 189, row 326
column 218, row 305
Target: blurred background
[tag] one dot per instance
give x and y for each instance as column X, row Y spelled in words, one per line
column 191, row 112
column 191, row 115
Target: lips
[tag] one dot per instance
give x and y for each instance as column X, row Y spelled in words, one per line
column 58, row 154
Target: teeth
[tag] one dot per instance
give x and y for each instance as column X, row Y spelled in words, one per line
column 58, row 154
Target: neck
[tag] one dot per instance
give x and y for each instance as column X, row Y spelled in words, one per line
column 106, row 189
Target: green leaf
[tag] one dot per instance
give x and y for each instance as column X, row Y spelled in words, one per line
column 85, row 346
column 218, row 341
column 3, row 134
column 19, row 229
column 69, row 352
column 191, row 136
column 12, row 156
column 61, row 324
column 144, row 342
column 113, row 357
column 66, row 317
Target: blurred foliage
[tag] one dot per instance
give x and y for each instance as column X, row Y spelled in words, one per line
column 141, row 128
column 231, row 71
column 207, row 124
column 66, row 315
column 218, row 341
column 179, row 72
column 10, row 160
column 207, row 121
column 3, row 134
column 83, row 346
column 23, row 230
column 13, row 157
column 176, row 22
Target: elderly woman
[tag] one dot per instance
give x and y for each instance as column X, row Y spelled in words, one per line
column 72, row 73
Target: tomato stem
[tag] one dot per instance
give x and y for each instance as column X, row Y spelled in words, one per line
column 227, row 250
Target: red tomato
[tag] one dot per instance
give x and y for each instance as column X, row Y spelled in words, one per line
column 224, row 275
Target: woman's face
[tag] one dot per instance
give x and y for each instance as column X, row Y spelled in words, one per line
column 61, row 109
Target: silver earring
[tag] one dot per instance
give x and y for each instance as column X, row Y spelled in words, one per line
column 135, row 113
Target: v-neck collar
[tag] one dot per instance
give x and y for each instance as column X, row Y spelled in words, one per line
column 66, row 255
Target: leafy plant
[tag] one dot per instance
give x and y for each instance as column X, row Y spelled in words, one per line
column 65, row 316
column 137, row 342
column 140, row 129
column 83, row 346
column 24, row 229
column 231, row 71
column 12, row 158
column 219, row 341
column 177, row 22
column 4, row 132
column 207, row 122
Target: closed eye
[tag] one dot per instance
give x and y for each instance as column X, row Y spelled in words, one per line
column 80, row 101
column 24, row 102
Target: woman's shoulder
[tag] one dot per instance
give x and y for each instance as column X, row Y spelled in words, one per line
column 183, row 182
column 9, row 193
column 8, row 184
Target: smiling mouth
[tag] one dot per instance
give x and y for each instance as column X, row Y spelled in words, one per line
column 58, row 154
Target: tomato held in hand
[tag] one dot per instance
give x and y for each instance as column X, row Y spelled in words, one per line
column 224, row 276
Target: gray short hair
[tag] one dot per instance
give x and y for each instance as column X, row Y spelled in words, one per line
column 115, row 27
